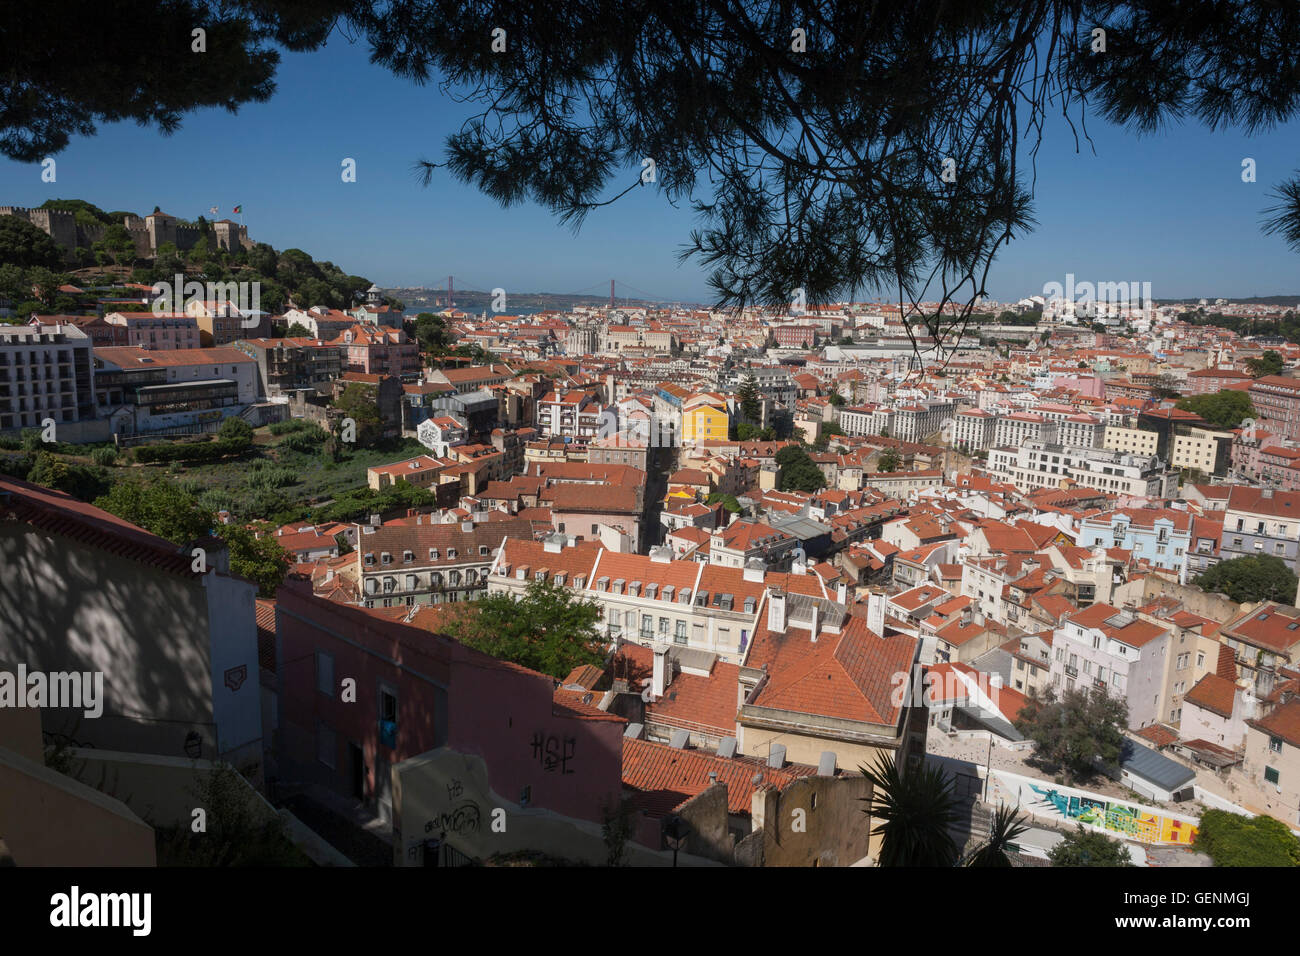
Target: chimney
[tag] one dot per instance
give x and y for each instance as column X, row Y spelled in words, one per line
column 467, row 526
column 776, row 611
column 842, row 593
column 659, row 676
column 876, row 613
column 812, row 624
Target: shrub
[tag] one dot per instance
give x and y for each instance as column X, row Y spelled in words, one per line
column 104, row 457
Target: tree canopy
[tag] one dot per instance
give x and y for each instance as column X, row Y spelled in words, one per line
column 549, row 629
column 1082, row 847
column 1250, row 579
column 798, row 472
column 1270, row 363
column 1075, row 729
column 1226, row 408
column 1231, row 839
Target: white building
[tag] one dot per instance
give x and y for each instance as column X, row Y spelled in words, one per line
column 45, row 373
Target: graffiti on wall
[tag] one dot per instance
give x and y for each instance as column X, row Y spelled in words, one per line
column 462, row 820
column 1128, row 821
column 552, row 752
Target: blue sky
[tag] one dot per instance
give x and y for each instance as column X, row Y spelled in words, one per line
column 1168, row 209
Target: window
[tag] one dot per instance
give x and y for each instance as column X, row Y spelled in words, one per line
column 387, row 703
column 680, row 636
column 327, row 746
column 325, row 673
column 1275, row 745
column 1271, row 775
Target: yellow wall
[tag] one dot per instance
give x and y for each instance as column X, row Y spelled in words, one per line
column 1132, row 440
column 704, row 422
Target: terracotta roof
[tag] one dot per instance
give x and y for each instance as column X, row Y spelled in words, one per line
column 667, row 777
column 1213, row 693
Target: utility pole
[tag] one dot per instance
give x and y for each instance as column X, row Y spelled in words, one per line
column 611, row 293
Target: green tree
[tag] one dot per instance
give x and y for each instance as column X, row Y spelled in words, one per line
column 297, row 330
column 116, row 243
column 24, row 245
column 235, row 429
column 357, row 402
column 836, row 399
column 1249, row 579
column 431, row 332
column 915, row 809
column 1226, row 408
column 797, row 471
column 889, row 461
column 1089, row 848
column 1231, row 839
column 549, row 629
column 1270, row 363
column 1074, row 730
column 160, row 507
column 261, row 560
column 751, row 402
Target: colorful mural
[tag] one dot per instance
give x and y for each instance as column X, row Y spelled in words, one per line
column 1131, row 822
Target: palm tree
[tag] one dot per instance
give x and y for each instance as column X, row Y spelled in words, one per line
column 1006, row 825
column 916, row 807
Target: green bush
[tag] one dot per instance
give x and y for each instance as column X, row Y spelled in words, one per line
column 1231, row 839
column 290, row 425
column 190, row 451
column 104, row 457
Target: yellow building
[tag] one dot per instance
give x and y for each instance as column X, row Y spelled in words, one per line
column 703, row 422
column 1133, row 441
column 1198, row 449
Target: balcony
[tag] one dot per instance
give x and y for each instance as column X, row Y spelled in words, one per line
column 1071, row 671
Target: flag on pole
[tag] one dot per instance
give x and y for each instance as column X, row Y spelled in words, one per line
column 239, row 209
column 214, row 210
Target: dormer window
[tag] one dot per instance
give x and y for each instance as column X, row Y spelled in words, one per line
column 433, row 554
column 482, row 549
column 408, row 556
column 451, row 554
column 370, row 558
column 386, row 558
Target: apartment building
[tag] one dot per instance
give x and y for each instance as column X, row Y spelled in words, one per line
column 1277, row 404
column 46, row 372
column 652, row 599
column 1262, row 521
column 157, row 330
column 403, row 564
column 1014, row 430
column 973, row 430
column 1040, row 465
column 1160, row 536
column 286, row 365
column 1263, row 639
column 1114, row 652
column 571, row 415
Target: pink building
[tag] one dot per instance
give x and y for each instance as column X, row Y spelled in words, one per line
column 416, row 691
column 374, row 350
column 1210, row 380
column 167, row 330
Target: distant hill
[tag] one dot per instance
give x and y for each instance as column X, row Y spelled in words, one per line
column 517, row 303
column 1291, row 300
